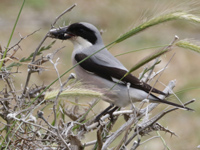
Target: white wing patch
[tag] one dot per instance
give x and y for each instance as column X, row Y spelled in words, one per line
column 117, row 81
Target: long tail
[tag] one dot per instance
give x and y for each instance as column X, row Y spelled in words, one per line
column 158, row 100
column 173, row 104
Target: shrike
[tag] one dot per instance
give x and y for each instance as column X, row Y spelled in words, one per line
column 102, row 69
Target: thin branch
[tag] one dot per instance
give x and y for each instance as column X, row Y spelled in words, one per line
column 123, row 128
column 71, row 76
column 40, row 115
column 154, row 120
column 37, row 49
column 33, row 59
column 23, row 120
column 168, row 47
column 23, row 38
column 135, row 144
column 63, row 13
column 157, row 59
column 90, row 143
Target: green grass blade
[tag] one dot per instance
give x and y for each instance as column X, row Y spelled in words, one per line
column 141, row 49
column 146, row 60
column 4, row 55
column 188, row 45
column 157, row 20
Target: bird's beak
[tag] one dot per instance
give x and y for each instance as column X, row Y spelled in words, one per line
column 60, row 33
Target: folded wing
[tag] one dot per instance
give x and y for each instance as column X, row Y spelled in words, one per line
column 113, row 74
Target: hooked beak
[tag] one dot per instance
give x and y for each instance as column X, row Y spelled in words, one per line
column 60, row 33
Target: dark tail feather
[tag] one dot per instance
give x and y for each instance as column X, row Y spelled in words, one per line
column 174, row 104
column 158, row 100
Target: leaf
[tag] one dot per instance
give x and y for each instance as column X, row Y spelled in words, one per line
column 47, row 47
column 24, row 59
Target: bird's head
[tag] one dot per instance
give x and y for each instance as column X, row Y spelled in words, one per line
column 81, row 34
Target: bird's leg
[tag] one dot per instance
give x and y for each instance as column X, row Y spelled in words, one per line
column 104, row 112
column 110, row 112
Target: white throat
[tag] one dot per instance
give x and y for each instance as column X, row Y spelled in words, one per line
column 80, row 43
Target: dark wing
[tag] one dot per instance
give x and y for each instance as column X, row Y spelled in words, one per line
column 111, row 73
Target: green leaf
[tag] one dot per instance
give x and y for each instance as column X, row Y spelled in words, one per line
column 11, row 35
column 24, row 59
column 46, row 48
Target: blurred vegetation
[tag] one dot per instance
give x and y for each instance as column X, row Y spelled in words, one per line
column 116, row 17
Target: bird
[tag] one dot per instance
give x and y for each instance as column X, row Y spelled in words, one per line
column 95, row 65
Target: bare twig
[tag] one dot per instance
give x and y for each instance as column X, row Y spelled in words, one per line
column 168, row 47
column 28, row 122
column 71, row 76
column 40, row 115
column 37, row 49
column 135, row 144
column 99, row 138
column 153, row 120
column 63, row 13
column 123, row 128
column 157, row 59
column 22, row 38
